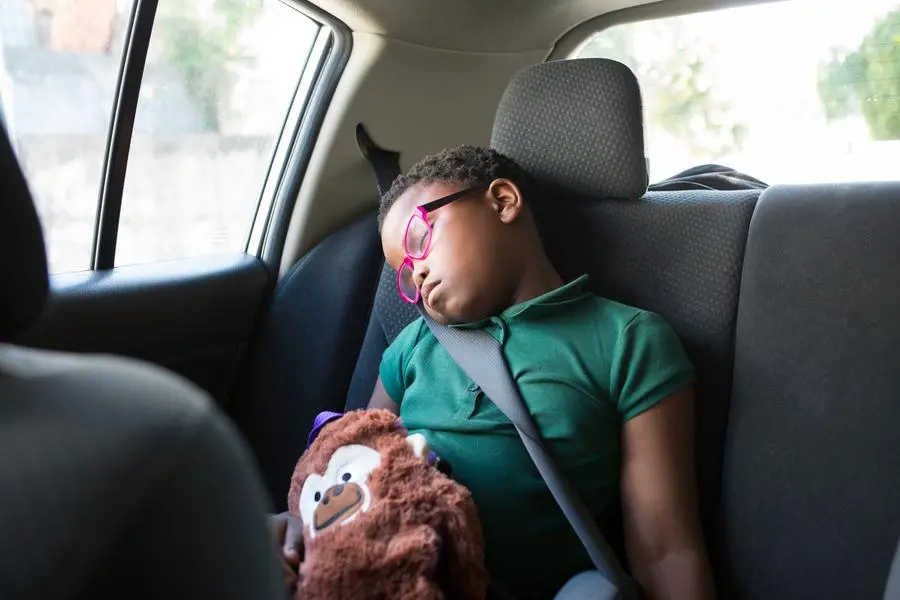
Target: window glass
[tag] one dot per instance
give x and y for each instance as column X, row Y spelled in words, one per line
column 786, row 92
column 59, row 62
column 218, row 83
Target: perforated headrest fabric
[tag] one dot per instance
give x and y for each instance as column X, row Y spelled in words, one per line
column 576, row 124
column 23, row 262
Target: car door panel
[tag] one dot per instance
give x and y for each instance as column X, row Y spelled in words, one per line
column 191, row 316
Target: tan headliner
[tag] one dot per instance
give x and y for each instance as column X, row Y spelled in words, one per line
column 471, row 25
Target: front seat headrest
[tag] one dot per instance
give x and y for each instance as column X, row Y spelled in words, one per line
column 577, row 124
column 23, row 261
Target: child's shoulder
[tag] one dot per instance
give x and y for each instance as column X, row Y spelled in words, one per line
column 628, row 327
column 618, row 315
column 411, row 335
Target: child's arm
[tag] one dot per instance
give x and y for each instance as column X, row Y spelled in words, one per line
column 380, row 399
column 663, row 537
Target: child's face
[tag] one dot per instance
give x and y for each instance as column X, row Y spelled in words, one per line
column 469, row 270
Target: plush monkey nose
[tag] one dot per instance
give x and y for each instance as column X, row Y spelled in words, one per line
column 338, row 502
column 332, row 492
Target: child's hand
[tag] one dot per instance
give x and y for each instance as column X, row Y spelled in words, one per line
column 288, row 533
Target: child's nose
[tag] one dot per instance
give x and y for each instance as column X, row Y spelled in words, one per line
column 420, row 272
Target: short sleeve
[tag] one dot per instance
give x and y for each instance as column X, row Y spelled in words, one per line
column 395, row 358
column 649, row 364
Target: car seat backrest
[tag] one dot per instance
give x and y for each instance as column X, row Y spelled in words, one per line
column 23, row 262
column 576, row 126
column 389, row 316
column 811, row 494
column 679, row 254
column 305, row 351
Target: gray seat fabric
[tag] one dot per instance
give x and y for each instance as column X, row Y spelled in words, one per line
column 577, row 126
column 676, row 253
column 388, row 318
column 812, row 479
column 116, row 478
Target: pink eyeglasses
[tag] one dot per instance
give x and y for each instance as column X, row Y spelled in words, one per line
column 417, row 243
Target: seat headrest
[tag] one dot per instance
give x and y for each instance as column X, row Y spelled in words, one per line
column 577, row 124
column 23, row 262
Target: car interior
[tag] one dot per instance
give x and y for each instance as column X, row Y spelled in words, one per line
column 208, row 370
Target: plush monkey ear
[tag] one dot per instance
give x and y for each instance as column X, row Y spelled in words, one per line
column 419, row 444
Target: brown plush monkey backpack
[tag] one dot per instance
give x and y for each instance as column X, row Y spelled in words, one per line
column 379, row 520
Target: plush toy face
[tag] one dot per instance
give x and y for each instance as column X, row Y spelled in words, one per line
column 342, row 492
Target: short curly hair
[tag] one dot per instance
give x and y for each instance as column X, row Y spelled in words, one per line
column 466, row 165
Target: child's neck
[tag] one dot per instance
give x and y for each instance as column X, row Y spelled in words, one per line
column 537, row 280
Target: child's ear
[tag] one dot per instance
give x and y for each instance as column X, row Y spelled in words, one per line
column 506, row 199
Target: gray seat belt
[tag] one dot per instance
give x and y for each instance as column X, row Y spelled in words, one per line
column 480, row 356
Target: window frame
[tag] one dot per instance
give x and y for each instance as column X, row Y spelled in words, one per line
column 571, row 42
column 278, row 196
column 266, row 230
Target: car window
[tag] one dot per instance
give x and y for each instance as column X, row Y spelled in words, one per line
column 785, row 91
column 217, row 86
column 219, row 79
column 58, row 71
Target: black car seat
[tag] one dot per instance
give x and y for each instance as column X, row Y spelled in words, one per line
column 577, row 127
column 812, row 460
column 304, row 355
column 117, row 480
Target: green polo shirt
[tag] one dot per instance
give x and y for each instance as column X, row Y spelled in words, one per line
column 584, row 365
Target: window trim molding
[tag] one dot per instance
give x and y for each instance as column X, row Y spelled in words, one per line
column 337, row 42
column 118, row 144
column 281, row 148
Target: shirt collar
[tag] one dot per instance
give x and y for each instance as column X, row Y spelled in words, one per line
column 565, row 294
column 544, row 304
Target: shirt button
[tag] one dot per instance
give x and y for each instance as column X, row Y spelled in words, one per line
column 473, row 388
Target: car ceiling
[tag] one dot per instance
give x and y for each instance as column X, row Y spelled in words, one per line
column 487, row 26
column 470, row 25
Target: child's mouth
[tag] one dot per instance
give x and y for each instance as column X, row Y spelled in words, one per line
column 428, row 291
